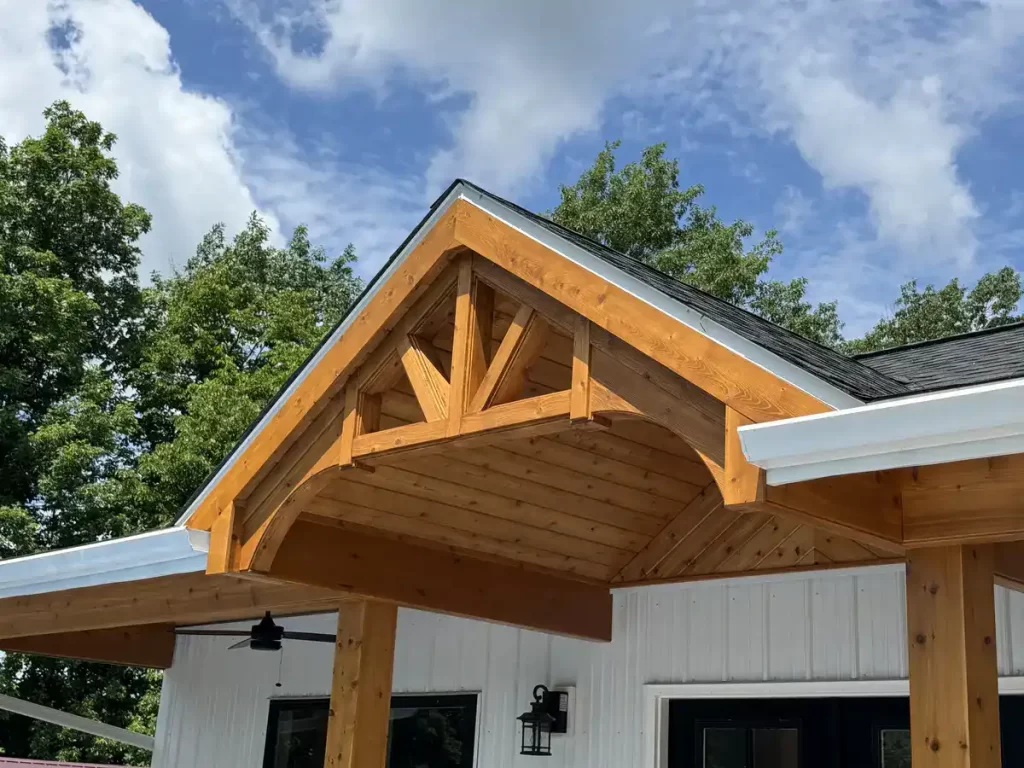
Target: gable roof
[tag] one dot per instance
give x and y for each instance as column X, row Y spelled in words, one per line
column 837, row 380
column 981, row 357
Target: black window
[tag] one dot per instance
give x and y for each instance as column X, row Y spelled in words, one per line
column 425, row 732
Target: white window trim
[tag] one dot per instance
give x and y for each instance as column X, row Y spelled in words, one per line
column 658, row 696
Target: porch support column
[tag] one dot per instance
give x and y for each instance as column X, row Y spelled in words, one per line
column 357, row 728
column 954, row 695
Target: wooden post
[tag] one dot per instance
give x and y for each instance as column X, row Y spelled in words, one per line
column 954, row 696
column 357, row 728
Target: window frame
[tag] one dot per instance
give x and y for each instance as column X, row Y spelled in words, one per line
column 468, row 700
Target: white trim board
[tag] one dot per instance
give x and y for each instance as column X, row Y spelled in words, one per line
column 657, row 696
column 968, row 423
column 690, row 317
column 166, row 552
column 76, row 722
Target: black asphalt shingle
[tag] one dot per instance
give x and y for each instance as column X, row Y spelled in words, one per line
column 982, row 357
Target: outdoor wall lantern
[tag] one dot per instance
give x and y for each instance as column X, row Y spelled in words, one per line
column 548, row 714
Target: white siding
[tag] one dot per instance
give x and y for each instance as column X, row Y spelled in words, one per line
column 824, row 627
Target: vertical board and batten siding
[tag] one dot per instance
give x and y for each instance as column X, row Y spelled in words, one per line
column 826, row 627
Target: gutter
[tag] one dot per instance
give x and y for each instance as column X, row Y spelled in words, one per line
column 76, row 722
column 166, row 552
column 935, row 428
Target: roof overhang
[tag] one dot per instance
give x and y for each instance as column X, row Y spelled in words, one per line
column 936, row 428
column 693, row 319
column 167, row 552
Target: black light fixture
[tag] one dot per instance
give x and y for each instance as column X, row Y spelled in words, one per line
column 548, row 714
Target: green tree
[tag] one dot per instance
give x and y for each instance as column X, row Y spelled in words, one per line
column 642, row 211
column 932, row 314
column 68, row 285
column 123, row 399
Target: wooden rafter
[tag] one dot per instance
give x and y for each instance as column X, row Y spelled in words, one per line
column 423, row 367
column 579, row 401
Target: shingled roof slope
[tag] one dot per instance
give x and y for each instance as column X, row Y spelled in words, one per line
column 982, row 357
column 844, row 373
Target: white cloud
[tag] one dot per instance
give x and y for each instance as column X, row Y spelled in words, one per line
column 175, row 149
column 792, row 210
column 878, row 97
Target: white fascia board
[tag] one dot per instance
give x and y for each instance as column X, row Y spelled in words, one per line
column 324, row 348
column 167, row 552
column 76, row 722
column 688, row 316
column 969, row 423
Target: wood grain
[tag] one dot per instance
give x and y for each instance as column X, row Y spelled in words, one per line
column 150, row 645
column 951, row 627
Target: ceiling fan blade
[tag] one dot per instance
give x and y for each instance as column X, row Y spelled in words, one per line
column 313, row 637
column 213, row 632
column 240, row 644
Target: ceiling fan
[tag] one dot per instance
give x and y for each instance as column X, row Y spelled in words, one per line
column 265, row 636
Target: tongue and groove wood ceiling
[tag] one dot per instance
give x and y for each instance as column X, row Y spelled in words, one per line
column 630, row 504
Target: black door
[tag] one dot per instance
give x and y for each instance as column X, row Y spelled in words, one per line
column 809, row 733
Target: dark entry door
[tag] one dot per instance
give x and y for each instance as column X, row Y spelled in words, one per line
column 809, row 733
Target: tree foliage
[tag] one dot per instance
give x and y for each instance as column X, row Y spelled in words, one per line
column 642, row 211
column 117, row 401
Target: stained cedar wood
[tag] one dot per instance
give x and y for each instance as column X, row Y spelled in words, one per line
column 519, row 349
column 454, row 583
column 364, row 657
column 579, row 407
column 746, row 387
column 410, row 279
column 428, row 383
column 150, row 645
column 744, row 483
column 184, row 599
column 951, row 629
column 965, row 501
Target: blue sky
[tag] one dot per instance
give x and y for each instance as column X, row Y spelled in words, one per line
column 882, row 139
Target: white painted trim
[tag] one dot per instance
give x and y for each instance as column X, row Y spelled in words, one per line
column 428, row 225
column 657, row 697
column 686, row 315
column 76, row 722
column 166, row 552
column 766, row 578
column 968, row 423
column 689, row 317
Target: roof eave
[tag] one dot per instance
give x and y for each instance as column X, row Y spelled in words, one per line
column 953, row 425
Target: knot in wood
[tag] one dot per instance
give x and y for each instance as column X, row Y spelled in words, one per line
column 920, row 639
column 934, row 746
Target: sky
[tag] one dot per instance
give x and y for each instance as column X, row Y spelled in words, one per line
column 882, row 139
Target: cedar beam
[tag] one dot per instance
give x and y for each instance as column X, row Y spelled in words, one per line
column 421, row 364
column 364, row 654
column 520, row 349
column 474, row 317
column 951, row 626
column 1009, row 564
column 579, row 402
column 150, row 645
column 380, row 568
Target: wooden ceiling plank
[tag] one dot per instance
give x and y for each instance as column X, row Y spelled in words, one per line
column 149, row 645
column 566, row 456
column 453, row 531
column 702, row 537
column 758, row 546
column 557, row 501
column 707, row 503
column 418, row 577
column 522, row 462
column 733, row 538
column 645, row 457
column 791, row 551
column 841, row 550
column 591, row 536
